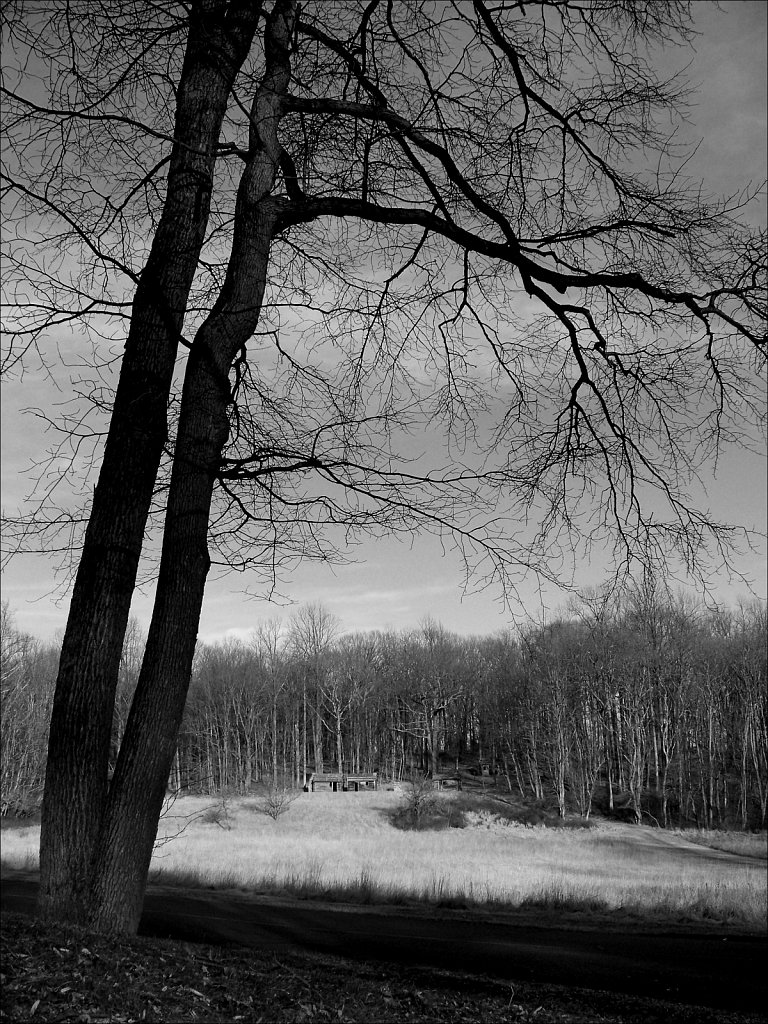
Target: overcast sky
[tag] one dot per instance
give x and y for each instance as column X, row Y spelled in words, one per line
column 393, row 584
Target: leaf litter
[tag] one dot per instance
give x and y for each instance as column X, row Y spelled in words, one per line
column 65, row 974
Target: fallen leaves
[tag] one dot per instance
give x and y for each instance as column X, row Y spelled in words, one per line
column 119, row 981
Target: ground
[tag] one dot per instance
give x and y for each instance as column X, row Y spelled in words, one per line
column 65, row 974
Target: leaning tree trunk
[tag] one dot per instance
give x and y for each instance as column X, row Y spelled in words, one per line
column 122, row 858
column 78, row 749
column 123, row 854
column 136, row 795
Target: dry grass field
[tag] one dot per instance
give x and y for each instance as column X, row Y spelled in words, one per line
column 345, row 846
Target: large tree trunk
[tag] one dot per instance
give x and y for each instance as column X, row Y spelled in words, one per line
column 78, row 750
column 124, row 849
column 123, row 854
column 136, row 795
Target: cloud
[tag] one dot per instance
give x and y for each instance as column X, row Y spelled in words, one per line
column 234, row 633
column 389, row 597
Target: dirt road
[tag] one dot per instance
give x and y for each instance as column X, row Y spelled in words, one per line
column 717, row 969
column 646, row 840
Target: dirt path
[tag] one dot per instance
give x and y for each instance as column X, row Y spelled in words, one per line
column 692, row 966
column 659, row 838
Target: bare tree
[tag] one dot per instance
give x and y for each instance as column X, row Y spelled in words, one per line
column 347, row 687
column 27, row 674
column 460, row 222
column 311, row 633
column 429, row 687
column 268, row 642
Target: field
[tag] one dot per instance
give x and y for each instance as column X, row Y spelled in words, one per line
column 346, row 847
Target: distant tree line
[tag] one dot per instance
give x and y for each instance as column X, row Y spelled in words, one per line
column 643, row 701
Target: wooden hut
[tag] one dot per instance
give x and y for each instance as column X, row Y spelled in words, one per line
column 360, row 781
column 326, row 782
column 451, row 781
column 336, row 782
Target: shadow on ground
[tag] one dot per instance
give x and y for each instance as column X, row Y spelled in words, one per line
column 717, row 968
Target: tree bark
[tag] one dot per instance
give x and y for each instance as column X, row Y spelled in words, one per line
column 125, row 842
column 76, row 790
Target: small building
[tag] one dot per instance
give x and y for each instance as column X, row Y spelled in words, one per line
column 336, row 782
column 447, row 781
column 326, row 782
column 357, row 781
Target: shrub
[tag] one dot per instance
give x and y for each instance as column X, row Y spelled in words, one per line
column 478, row 809
column 421, row 807
column 219, row 815
column 275, row 801
column 575, row 822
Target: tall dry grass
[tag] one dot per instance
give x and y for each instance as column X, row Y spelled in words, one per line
column 344, row 846
column 743, row 844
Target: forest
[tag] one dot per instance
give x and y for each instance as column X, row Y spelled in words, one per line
column 643, row 701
